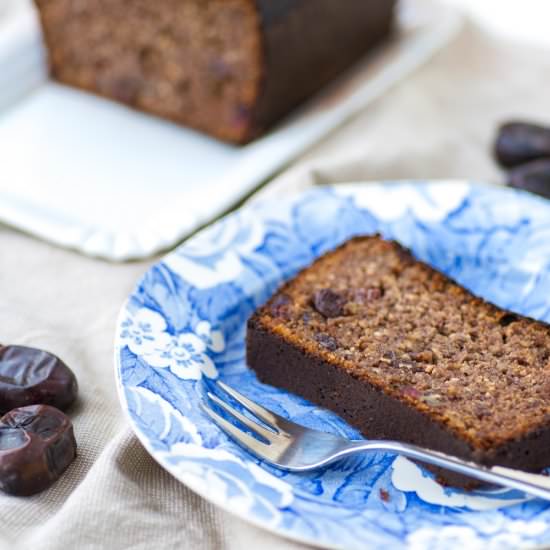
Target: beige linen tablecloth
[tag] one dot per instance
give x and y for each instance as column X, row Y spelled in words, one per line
column 437, row 124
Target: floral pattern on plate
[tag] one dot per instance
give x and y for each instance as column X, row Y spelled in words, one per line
column 184, row 326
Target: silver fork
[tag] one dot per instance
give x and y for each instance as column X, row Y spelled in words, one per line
column 296, row 448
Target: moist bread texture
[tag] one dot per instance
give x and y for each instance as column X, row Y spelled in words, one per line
column 230, row 68
column 401, row 351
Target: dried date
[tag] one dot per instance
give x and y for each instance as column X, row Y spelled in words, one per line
column 533, row 176
column 30, row 376
column 37, row 445
column 521, row 142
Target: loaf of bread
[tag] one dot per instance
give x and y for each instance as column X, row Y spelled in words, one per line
column 402, row 352
column 230, row 68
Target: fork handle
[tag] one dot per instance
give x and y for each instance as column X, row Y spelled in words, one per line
column 533, row 484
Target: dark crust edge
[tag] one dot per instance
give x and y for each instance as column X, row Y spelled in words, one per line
column 373, row 19
column 375, row 413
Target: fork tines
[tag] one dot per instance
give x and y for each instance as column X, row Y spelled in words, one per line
column 264, row 430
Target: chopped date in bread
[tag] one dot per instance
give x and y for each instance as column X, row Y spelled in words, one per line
column 328, row 303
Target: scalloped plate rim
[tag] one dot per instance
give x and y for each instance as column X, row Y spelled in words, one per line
column 200, row 488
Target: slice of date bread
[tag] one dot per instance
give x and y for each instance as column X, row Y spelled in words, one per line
column 401, row 351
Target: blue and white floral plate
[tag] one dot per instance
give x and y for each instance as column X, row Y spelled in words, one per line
column 184, row 325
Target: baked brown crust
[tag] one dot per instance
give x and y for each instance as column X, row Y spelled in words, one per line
column 308, row 43
column 401, row 351
column 230, row 68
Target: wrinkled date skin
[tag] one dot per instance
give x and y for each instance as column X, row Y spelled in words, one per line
column 37, row 445
column 30, row 376
column 533, row 176
column 521, row 142
column 328, row 302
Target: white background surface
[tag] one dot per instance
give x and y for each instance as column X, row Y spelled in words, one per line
column 527, row 20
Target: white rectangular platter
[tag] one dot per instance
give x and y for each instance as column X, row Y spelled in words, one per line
column 92, row 175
